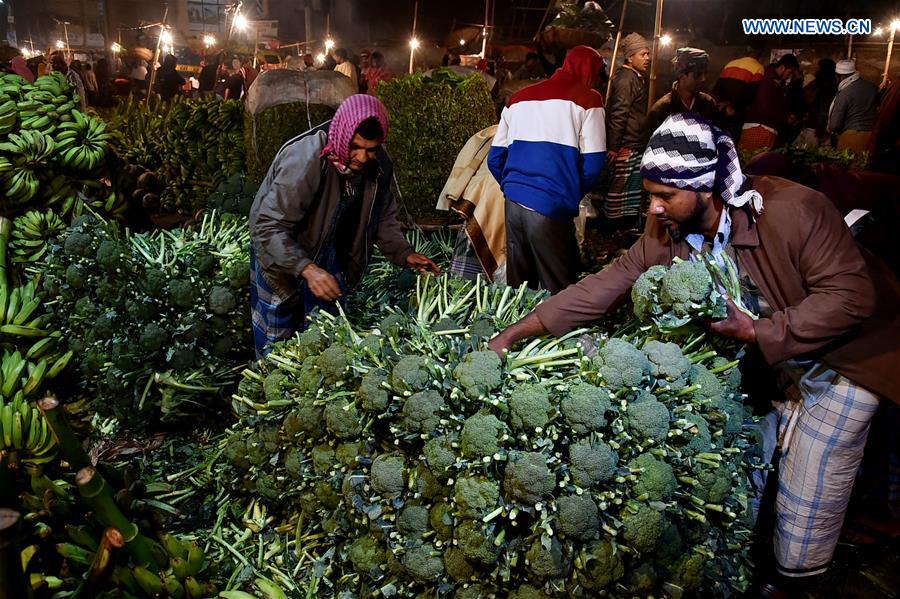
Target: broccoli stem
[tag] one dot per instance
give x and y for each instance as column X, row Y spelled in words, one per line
column 724, row 367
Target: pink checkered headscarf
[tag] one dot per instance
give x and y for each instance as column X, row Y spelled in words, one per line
column 349, row 116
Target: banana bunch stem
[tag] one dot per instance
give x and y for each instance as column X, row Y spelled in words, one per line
column 68, row 443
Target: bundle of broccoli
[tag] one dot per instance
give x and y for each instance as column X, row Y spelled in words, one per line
column 158, row 320
column 409, row 460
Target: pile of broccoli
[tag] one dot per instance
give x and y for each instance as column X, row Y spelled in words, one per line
column 158, row 320
column 433, row 468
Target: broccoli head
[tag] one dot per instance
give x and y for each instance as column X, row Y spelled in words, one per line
column 183, row 359
column 154, row 282
column 441, row 521
column 421, row 411
column 76, row 276
column 689, row 571
column 478, row 373
column 585, row 407
column 527, row 591
column 669, row 547
column 667, row 362
column 711, row 389
column 110, row 255
column 153, row 337
column 648, row 418
column 343, row 419
column 182, row 293
column 445, row 324
column 238, row 274
column 529, row 407
column 621, row 364
column 642, row 580
column 332, row 362
column 78, row 244
column 602, row 565
column 440, row 457
column 731, row 413
column 105, row 326
column 475, row 496
column 204, row 262
column 731, row 378
column 368, row 556
column 527, row 480
column 480, row 435
column 715, row 483
column 476, row 543
column 698, row 436
column 645, row 292
column 457, row 566
column 391, row 324
column 655, row 478
column 577, row 516
column 373, row 397
column 347, row 453
column 423, row 563
column 413, row 520
column 592, row 462
column 267, row 486
column 411, row 373
column 221, row 300
column 388, row 475
column 191, row 327
column 309, row 343
column 546, row 559
column 685, row 285
column 322, row 458
column 482, row 328
column 84, row 307
column 642, row 528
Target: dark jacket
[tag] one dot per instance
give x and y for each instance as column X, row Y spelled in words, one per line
column 768, row 104
column 626, row 110
column 854, row 107
column 669, row 104
column 294, row 211
column 832, row 301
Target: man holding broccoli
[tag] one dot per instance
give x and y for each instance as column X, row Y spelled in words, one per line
column 324, row 203
column 827, row 316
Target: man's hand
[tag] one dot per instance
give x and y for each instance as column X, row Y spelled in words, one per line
column 737, row 325
column 422, row 263
column 322, row 283
column 500, row 344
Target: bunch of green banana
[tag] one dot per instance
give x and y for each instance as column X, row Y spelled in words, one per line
column 24, row 434
column 9, row 116
column 31, row 233
column 12, row 86
column 29, row 152
column 82, row 143
column 18, row 375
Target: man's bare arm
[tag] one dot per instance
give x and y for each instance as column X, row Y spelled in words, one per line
column 530, row 326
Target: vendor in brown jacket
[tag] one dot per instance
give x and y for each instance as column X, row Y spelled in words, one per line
column 828, row 317
column 324, row 204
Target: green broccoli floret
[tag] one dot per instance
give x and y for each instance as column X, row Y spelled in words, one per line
column 154, row 282
column 578, row 516
column 621, row 364
column 648, row 418
column 426, row 485
column 689, row 571
column 84, row 307
column 527, row 480
column 267, row 486
column 642, row 528
column 685, row 285
column 411, row 373
column 368, row 557
column 602, row 565
column 730, row 413
column 78, row 244
column 322, row 458
column 475, row 496
column 441, row 521
column 480, row 435
column 153, row 337
column 667, row 362
column 457, row 566
column 238, row 274
column 482, row 328
column 478, row 373
column 309, row 343
column 642, row 580
column 347, row 453
column 221, row 346
column 342, row 419
column 591, row 462
column 105, row 326
column 413, row 520
column 698, row 436
column 529, row 407
column 309, row 381
column 204, row 262
column 110, row 255
column 546, row 562
column 585, row 407
column 731, row 378
column 293, row 462
column 711, row 390
column 370, row 344
column 76, row 276
column 476, row 543
column 656, row 479
column 388, row 475
column 191, row 327
column 423, row 563
column 526, row 591
column 183, row 359
column 390, row 324
column 645, row 292
column 669, row 547
column 221, row 300
column 715, row 483
column 373, row 397
column 440, row 457
column 422, row 411
column 182, row 293
column 445, row 324
column 333, row 362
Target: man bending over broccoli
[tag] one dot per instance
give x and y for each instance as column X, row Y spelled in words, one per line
column 324, row 203
column 827, row 318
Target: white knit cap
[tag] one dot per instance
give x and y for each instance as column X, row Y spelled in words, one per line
column 845, row 67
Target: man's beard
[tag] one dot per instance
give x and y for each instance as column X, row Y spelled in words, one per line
column 692, row 224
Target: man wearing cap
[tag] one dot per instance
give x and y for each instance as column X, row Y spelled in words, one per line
column 323, row 206
column 827, row 316
column 766, row 115
column 689, row 65
column 736, row 87
column 852, row 113
column 625, row 133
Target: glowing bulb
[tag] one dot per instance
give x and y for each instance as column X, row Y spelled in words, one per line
column 329, row 44
column 895, row 25
column 24, row 52
column 462, row 42
column 414, row 44
column 320, row 58
column 209, row 40
column 60, row 44
column 878, row 31
column 665, row 40
column 116, row 48
column 166, row 38
column 241, row 22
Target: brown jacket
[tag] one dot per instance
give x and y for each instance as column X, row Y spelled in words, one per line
column 832, row 301
column 294, row 211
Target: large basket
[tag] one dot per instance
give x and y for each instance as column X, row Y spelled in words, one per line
column 563, row 37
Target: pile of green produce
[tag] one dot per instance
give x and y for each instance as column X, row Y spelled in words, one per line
column 184, row 149
column 235, row 195
column 157, row 320
column 51, row 154
column 432, row 118
column 267, row 131
column 409, row 460
column 854, row 161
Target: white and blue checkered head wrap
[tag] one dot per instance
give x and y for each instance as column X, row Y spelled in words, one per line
column 689, row 152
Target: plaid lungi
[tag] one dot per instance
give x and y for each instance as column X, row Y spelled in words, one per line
column 465, row 263
column 757, row 137
column 625, row 196
column 822, row 437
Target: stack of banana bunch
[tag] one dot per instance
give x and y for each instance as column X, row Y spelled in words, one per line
column 25, row 437
column 31, row 235
column 24, row 157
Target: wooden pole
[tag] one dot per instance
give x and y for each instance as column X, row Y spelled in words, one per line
column 615, row 54
column 887, row 61
column 850, row 46
column 657, row 30
column 412, row 50
column 162, row 28
column 484, row 32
